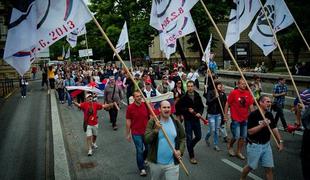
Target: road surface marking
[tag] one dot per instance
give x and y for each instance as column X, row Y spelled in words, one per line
column 235, row 166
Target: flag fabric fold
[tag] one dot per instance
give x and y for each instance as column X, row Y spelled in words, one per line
column 166, row 12
column 123, row 39
column 279, row 17
column 240, row 18
column 207, row 53
column 155, row 101
column 72, row 37
column 35, row 25
column 184, row 26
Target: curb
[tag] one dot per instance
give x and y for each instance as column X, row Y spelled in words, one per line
column 61, row 167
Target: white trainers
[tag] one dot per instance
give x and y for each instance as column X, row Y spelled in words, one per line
column 90, row 152
column 94, row 146
column 143, row 172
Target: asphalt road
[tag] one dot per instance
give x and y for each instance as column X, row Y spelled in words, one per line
column 23, row 135
column 115, row 157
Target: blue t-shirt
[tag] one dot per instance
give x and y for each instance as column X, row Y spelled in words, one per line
column 164, row 152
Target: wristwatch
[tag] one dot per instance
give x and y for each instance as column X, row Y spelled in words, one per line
column 281, row 141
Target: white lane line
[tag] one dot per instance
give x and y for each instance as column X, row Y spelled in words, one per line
column 235, row 166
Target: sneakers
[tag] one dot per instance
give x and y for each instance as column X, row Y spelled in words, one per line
column 94, row 146
column 231, row 152
column 142, row 172
column 240, row 156
column 115, row 128
column 90, row 152
column 193, row 161
column 216, row 148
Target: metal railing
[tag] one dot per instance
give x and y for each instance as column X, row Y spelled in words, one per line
column 6, row 86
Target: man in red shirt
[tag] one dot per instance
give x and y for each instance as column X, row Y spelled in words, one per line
column 240, row 101
column 90, row 109
column 137, row 116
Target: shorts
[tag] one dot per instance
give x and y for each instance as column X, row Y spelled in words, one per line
column 238, row 129
column 92, row 130
column 259, row 154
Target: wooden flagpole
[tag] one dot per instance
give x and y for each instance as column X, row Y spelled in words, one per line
column 299, row 29
column 135, row 83
column 236, row 64
column 281, row 52
column 129, row 52
column 302, row 35
column 208, row 70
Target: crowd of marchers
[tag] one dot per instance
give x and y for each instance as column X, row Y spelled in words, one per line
column 235, row 110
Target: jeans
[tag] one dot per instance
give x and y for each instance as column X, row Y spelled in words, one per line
column 61, row 94
column 238, row 129
column 113, row 116
column 161, row 172
column 190, row 127
column 141, row 150
column 214, row 126
column 23, row 90
column 68, row 96
column 279, row 114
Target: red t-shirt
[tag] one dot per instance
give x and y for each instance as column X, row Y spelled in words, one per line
column 139, row 116
column 92, row 120
column 239, row 102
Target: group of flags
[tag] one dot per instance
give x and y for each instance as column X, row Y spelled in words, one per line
column 261, row 34
column 36, row 25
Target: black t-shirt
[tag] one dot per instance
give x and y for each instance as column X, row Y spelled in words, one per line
column 263, row 136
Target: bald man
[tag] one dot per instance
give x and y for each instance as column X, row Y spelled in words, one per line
column 163, row 160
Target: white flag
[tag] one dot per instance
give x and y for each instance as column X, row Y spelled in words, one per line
column 166, row 12
column 123, row 39
column 67, row 56
column 63, row 52
column 280, row 18
column 37, row 24
column 240, row 18
column 72, row 37
column 184, row 26
column 207, row 53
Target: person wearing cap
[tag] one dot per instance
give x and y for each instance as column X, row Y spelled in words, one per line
column 113, row 94
column 164, row 86
column 90, row 109
column 279, row 92
column 149, row 91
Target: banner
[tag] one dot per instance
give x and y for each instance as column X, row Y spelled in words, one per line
column 279, row 17
column 35, row 25
column 240, row 18
column 166, row 12
column 207, row 54
column 155, row 101
column 184, row 26
column 85, row 88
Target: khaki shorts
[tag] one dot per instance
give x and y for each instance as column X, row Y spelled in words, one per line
column 92, row 130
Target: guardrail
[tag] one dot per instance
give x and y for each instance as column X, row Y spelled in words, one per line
column 6, row 86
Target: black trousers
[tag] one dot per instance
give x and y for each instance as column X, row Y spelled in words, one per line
column 113, row 116
column 305, row 154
